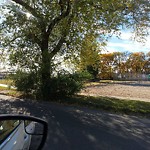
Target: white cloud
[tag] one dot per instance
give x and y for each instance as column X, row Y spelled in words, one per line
column 126, row 35
column 126, row 44
column 130, row 46
column 147, row 44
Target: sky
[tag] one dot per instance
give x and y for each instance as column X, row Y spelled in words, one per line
column 124, row 43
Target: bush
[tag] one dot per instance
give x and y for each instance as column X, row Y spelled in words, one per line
column 65, row 85
column 83, row 76
column 29, row 83
column 60, row 86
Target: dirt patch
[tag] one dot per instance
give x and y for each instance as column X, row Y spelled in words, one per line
column 124, row 90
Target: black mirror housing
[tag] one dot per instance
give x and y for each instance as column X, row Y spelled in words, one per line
column 29, row 119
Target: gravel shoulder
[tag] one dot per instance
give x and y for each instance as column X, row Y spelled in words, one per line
column 123, row 90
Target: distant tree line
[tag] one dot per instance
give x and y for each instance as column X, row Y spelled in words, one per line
column 124, row 64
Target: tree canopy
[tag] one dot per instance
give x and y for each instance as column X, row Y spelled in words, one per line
column 35, row 31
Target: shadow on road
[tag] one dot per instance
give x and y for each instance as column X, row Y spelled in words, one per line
column 73, row 128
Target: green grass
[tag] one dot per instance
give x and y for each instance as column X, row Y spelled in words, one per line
column 107, row 82
column 133, row 107
column 6, row 81
column 10, row 92
column 3, row 88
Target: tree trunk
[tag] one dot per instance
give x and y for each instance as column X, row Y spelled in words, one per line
column 45, row 70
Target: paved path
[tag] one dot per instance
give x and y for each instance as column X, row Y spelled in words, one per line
column 75, row 128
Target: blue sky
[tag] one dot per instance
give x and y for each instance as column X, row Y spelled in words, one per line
column 124, row 43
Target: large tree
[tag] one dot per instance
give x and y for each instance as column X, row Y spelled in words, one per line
column 136, row 62
column 106, row 66
column 89, row 58
column 34, row 31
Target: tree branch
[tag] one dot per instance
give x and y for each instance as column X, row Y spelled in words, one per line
column 58, row 46
column 12, row 40
column 30, row 9
column 63, row 37
column 60, row 17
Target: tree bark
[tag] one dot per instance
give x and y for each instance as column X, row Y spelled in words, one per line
column 45, row 69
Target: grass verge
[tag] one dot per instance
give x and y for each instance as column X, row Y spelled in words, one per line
column 3, row 88
column 6, row 81
column 10, row 92
column 128, row 107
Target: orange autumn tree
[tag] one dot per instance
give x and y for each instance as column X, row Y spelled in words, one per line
column 106, row 65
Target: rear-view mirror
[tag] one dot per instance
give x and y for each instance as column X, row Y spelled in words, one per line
column 22, row 132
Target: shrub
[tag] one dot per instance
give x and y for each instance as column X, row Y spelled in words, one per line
column 60, row 86
column 65, row 85
column 83, row 76
column 27, row 82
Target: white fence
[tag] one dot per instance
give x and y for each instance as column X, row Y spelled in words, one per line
column 132, row 76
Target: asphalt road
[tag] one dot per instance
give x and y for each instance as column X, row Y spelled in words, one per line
column 75, row 128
